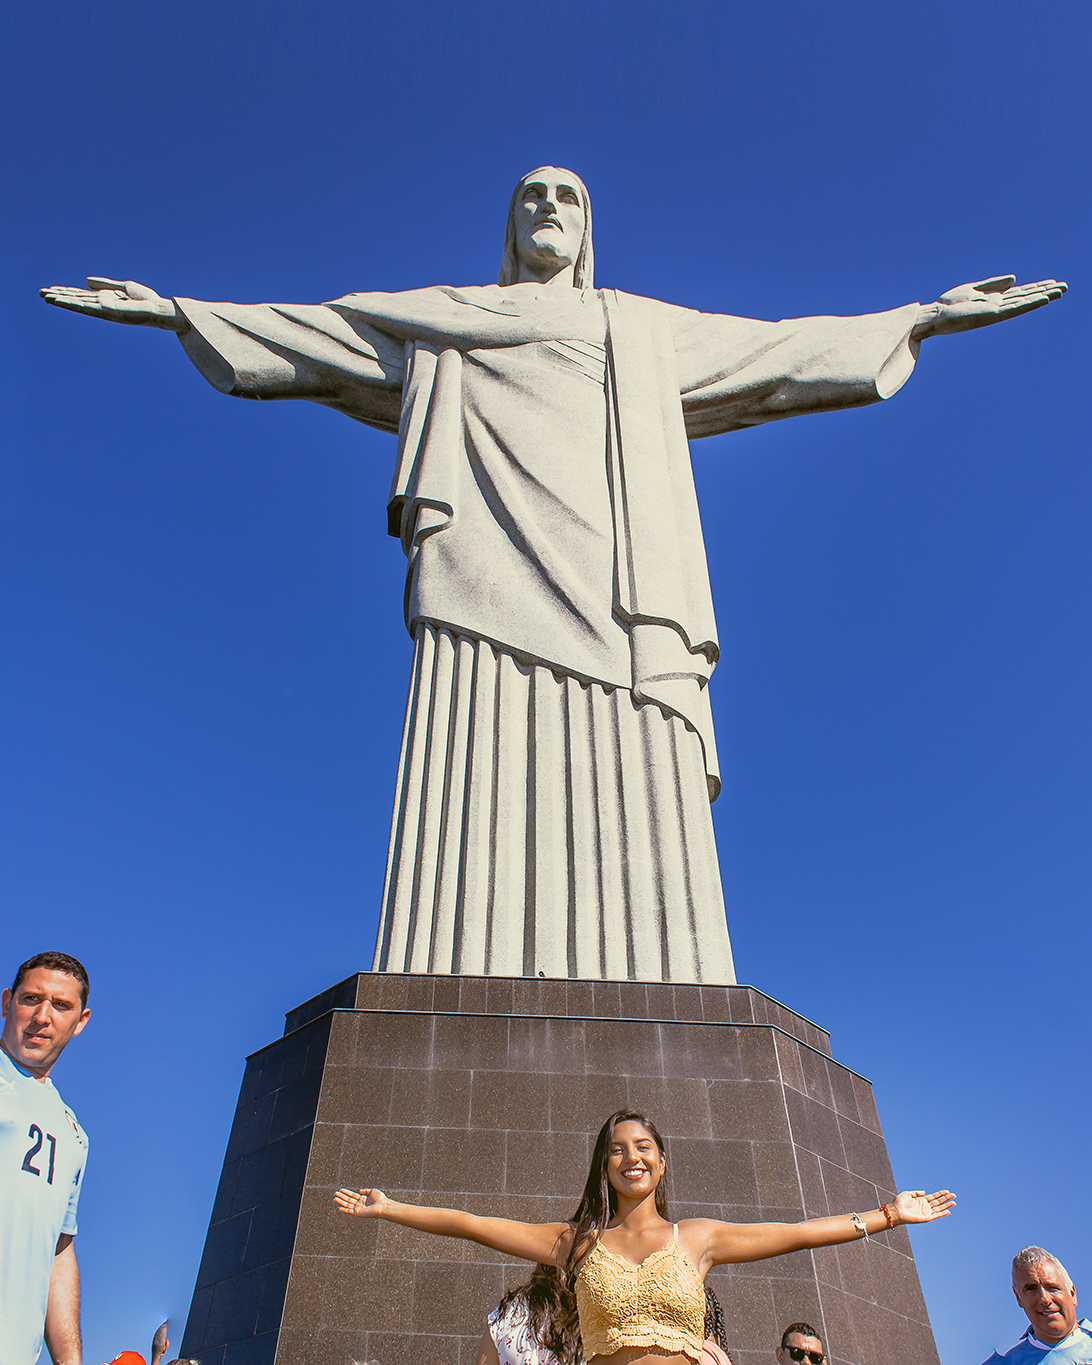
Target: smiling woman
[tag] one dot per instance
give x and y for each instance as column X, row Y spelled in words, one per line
column 639, row 1278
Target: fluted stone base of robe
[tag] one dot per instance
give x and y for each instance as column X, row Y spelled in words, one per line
column 485, row 1093
column 547, row 826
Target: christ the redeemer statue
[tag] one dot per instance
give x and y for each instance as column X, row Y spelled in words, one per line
column 551, row 816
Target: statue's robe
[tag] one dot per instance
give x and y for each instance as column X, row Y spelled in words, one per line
column 552, row 810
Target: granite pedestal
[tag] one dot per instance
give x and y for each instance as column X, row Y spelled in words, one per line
column 486, row 1093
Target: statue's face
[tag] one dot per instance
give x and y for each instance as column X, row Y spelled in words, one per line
column 549, row 219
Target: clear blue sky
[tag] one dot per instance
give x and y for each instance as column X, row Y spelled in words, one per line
column 204, row 662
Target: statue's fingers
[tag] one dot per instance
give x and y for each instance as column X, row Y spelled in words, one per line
column 100, row 282
column 997, row 285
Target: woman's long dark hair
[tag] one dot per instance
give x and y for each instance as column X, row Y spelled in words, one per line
column 551, row 1312
column 714, row 1321
column 599, row 1202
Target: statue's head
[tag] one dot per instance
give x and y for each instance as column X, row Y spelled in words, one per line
column 549, row 224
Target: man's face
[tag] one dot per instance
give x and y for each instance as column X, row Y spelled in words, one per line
column 807, row 1349
column 549, row 217
column 1047, row 1296
column 41, row 1017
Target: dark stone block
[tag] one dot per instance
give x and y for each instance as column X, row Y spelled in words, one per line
column 607, row 1041
column 398, row 1040
column 470, row 1044
column 540, row 1163
column 445, row 995
column 661, row 1001
column 741, row 1008
column 845, row 1097
column 234, row 1311
column 225, row 1247
column 392, row 993
column 250, row 1131
column 688, row 1004
column 225, row 1192
column 454, row 1298
column 606, row 1000
column 272, row 1231
column 788, row 1057
column 419, row 993
column 499, row 995
column 554, row 998
column 194, row 1335
column 580, row 1000
column 776, row 1174
column 369, row 987
column 473, row 994
column 341, row 1041
column 373, row 1297
column 674, row 1104
column 285, row 1061
column 296, row 1105
column 341, row 996
column 252, row 1080
column 580, row 1104
column 324, row 1159
column 428, row 1098
column 510, row 1099
column 352, row 1094
column 725, row 1169
column 307, row 1287
column 261, row 1174
column 748, row 1110
column 814, row 1127
column 758, row 1055
column 456, row 1159
column 373, row 1155
column 866, row 1153
column 546, row 1044
column 295, row 1166
column 715, row 1004
column 816, row 1077
column 272, row 1305
column 704, row 1052
column 259, row 1350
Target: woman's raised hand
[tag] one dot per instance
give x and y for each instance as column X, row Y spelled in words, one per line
column 118, row 301
column 915, row 1206
column 362, row 1203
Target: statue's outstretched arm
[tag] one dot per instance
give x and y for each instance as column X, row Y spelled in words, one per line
column 978, row 305
column 119, row 301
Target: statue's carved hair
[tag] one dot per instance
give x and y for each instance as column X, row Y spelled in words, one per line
column 584, row 266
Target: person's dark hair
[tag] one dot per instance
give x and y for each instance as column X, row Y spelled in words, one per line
column 551, row 1312
column 599, row 1203
column 714, row 1320
column 56, row 962
column 804, row 1329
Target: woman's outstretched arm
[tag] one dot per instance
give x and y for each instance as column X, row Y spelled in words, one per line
column 736, row 1242
column 546, row 1243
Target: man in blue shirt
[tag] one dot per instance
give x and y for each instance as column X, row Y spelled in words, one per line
column 43, row 1152
column 1047, row 1295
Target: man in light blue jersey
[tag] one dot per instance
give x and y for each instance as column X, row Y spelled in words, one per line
column 1047, row 1295
column 43, row 1152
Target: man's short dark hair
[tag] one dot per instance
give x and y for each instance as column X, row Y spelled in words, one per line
column 55, row 962
column 803, row 1329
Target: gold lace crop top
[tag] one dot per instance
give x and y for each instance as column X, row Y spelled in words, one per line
column 659, row 1303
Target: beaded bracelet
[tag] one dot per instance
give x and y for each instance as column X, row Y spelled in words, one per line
column 887, row 1214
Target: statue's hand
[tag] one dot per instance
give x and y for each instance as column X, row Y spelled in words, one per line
column 118, row 301
column 978, row 305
